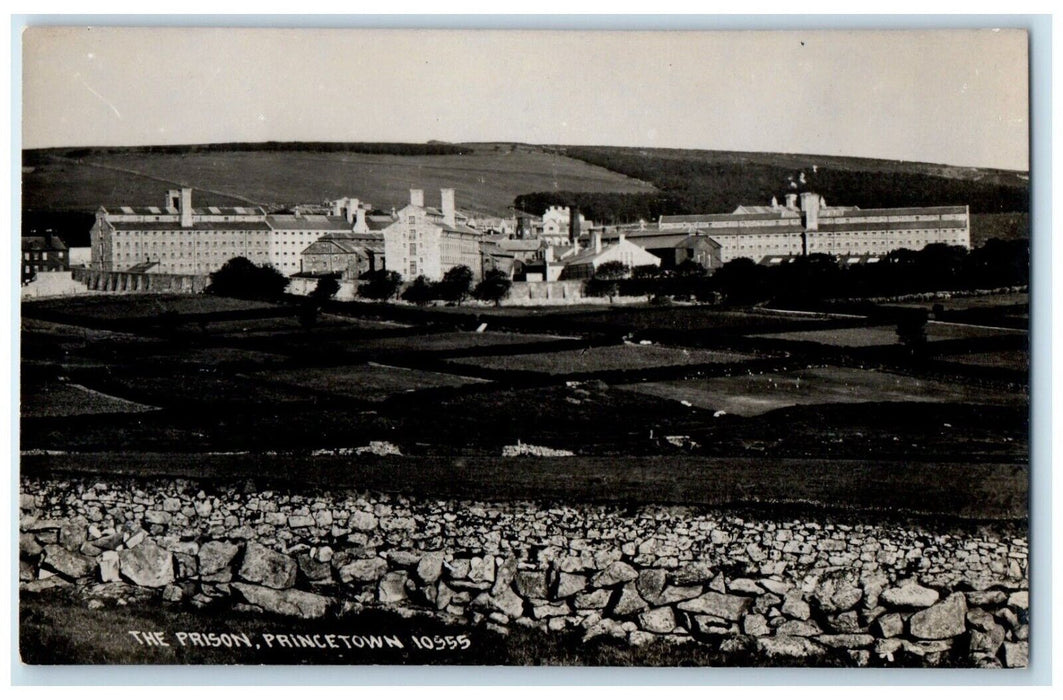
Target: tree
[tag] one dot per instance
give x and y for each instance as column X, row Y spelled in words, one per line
column 420, row 291
column 381, row 285
column 690, row 268
column 326, row 289
column 606, row 280
column 242, row 279
column 456, row 283
column 911, row 331
column 494, row 287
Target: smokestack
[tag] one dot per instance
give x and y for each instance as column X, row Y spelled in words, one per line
column 573, row 223
column 417, row 198
column 810, row 209
column 186, row 207
column 446, row 197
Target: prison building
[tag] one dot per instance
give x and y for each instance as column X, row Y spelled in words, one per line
column 805, row 225
column 429, row 241
column 584, row 264
column 347, row 255
column 177, row 238
column 45, row 253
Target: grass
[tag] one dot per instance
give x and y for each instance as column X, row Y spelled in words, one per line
column 599, row 359
column 56, row 400
column 485, row 180
column 874, row 336
column 126, row 307
column 366, row 382
column 58, row 628
column 751, row 395
column 898, row 488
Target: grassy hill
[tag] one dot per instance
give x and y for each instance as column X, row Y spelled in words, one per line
column 487, row 177
column 611, row 184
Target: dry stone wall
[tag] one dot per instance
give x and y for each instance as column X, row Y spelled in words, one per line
column 868, row 593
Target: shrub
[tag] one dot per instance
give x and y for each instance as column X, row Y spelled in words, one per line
column 327, row 288
column 420, row 291
column 494, row 286
column 381, row 285
column 242, row 279
column 455, row 285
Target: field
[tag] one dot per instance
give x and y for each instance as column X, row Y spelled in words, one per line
column 366, row 383
column 54, row 400
column 754, row 394
column 232, row 377
column 862, row 337
column 603, row 359
column 486, row 180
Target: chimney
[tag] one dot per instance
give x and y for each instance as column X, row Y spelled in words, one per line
column 446, row 197
column 620, row 238
column 596, row 241
column 173, row 199
column 417, row 198
column 338, row 206
column 791, row 200
column 186, row 207
column 810, row 210
column 573, row 223
column 359, row 221
column 353, row 206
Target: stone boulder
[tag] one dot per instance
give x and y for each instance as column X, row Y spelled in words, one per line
column 728, row 607
column 66, row 563
column 266, row 567
column 837, row 591
column 658, row 620
column 616, row 573
column 909, row 595
column 147, row 565
column 290, row 602
column 781, row 646
column 941, row 621
column 215, row 558
column 363, row 570
column 430, row 567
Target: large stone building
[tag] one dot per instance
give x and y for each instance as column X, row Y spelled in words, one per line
column 429, row 241
column 804, row 225
column 178, row 238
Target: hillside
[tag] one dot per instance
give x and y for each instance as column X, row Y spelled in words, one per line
column 718, row 181
column 487, row 178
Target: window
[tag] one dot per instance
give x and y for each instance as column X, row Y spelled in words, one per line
column 413, row 268
column 413, row 248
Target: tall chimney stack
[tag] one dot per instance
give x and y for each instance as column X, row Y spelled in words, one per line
column 417, row 198
column 353, row 207
column 810, row 210
column 573, row 224
column 186, row 207
column 446, row 196
column 596, row 241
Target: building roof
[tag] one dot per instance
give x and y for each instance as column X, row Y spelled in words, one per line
column 48, row 242
column 680, row 240
column 196, row 211
column 519, row 244
column 175, row 226
column 700, row 218
column 830, row 227
column 332, row 245
column 308, row 222
column 379, row 222
column 747, row 230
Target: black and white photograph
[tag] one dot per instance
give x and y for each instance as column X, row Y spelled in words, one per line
column 502, row 347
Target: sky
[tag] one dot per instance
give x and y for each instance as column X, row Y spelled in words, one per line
column 958, row 97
